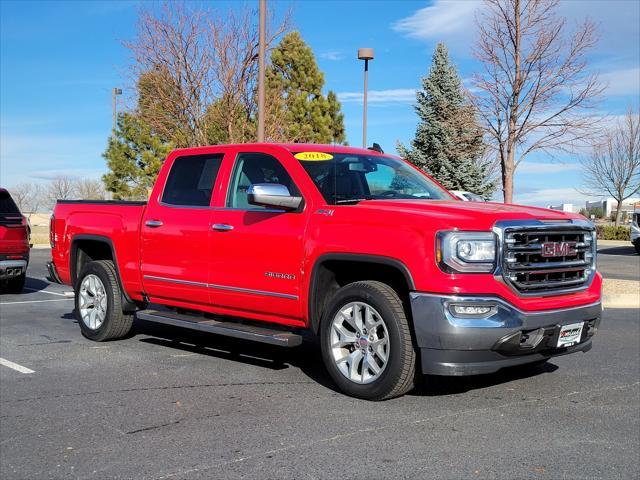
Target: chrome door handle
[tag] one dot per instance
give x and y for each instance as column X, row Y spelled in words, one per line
column 222, row 227
column 153, row 223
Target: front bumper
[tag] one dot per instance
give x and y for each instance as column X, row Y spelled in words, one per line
column 453, row 344
column 12, row 268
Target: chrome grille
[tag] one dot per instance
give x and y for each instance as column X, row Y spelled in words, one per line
column 547, row 260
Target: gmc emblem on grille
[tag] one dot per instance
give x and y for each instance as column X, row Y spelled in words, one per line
column 558, row 249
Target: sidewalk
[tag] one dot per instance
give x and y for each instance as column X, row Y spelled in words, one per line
column 614, row 243
column 621, row 293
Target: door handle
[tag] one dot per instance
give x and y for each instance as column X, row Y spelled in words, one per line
column 153, row 223
column 222, row 227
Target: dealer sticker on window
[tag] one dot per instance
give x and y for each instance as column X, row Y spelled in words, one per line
column 313, row 156
column 570, row 334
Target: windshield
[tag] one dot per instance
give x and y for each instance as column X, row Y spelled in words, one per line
column 349, row 178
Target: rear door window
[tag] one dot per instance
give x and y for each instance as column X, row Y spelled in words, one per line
column 191, row 179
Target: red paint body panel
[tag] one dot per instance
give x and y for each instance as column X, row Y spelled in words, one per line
column 210, row 266
column 14, row 229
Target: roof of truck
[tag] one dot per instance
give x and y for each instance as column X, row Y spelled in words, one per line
column 302, row 147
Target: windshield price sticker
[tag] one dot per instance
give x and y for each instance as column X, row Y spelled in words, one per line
column 313, row 156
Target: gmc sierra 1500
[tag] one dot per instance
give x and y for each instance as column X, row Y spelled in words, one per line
column 394, row 274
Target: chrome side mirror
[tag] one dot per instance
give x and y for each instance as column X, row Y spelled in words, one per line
column 272, row 195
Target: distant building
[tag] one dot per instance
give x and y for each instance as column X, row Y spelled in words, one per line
column 609, row 205
column 564, row 207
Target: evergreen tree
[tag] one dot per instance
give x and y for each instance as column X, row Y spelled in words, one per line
column 294, row 87
column 134, row 156
column 337, row 119
column 448, row 143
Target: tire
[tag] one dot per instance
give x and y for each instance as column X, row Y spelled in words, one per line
column 107, row 303
column 637, row 245
column 16, row 284
column 397, row 375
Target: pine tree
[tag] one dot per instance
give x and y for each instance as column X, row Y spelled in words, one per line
column 294, row 87
column 448, row 143
column 134, row 156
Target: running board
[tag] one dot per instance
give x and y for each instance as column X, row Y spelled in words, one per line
column 221, row 327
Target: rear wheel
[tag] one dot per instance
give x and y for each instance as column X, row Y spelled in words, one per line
column 16, row 284
column 98, row 303
column 366, row 342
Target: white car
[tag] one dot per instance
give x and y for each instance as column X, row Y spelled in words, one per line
column 635, row 230
column 467, row 196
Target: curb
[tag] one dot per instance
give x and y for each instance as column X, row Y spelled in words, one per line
column 621, row 293
column 624, row 300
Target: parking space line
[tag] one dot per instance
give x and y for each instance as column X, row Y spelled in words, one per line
column 37, row 301
column 15, row 366
column 44, row 291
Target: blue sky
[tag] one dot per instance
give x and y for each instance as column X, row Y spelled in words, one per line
column 59, row 61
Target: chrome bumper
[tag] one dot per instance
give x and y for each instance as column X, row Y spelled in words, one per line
column 12, row 268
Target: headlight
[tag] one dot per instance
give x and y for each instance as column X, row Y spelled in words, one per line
column 466, row 251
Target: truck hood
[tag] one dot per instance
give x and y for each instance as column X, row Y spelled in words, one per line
column 462, row 214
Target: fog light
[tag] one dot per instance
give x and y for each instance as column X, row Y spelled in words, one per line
column 464, row 310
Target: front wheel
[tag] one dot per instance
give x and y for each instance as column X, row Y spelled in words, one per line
column 99, row 304
column 366, row 342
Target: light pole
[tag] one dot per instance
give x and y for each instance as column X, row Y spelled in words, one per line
column 261, row 48
column 114, row 93
column 365, row 54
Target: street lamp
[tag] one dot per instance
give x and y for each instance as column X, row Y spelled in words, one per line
column 365, row 54
column 261, row 51
column 114, row 93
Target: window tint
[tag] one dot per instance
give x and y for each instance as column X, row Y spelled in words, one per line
column 253, row 168
column 191, row 180
column 7, row 205
column 350, row 178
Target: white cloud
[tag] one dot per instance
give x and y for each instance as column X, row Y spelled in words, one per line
column 533, row 168
column 622, row 82
column 26, row 157
column 396, row 95
column 453, row 22
column 332, row 55
column 442, row 18
column 75, row 173
column 552, row 196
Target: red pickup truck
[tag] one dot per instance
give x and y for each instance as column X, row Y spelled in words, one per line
column 396, row 276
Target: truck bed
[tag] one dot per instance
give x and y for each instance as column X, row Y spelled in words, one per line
column 116, row 221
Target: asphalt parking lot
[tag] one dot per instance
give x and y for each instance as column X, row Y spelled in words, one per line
column 167, row 403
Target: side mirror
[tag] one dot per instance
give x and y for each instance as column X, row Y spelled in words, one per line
column 272, row 195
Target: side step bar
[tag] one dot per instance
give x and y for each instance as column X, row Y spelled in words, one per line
column 221, row 327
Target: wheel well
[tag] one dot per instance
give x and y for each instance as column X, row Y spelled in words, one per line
column 331, row 275
column 85, row 250
column 88, row 251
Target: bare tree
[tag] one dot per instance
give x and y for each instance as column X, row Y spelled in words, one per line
column 60, row 188
column 535, row 90
column 89, row 189
column 614, row 166
column 28, row 196
column 197, row 65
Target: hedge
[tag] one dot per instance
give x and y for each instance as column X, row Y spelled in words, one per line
column 611, row 232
